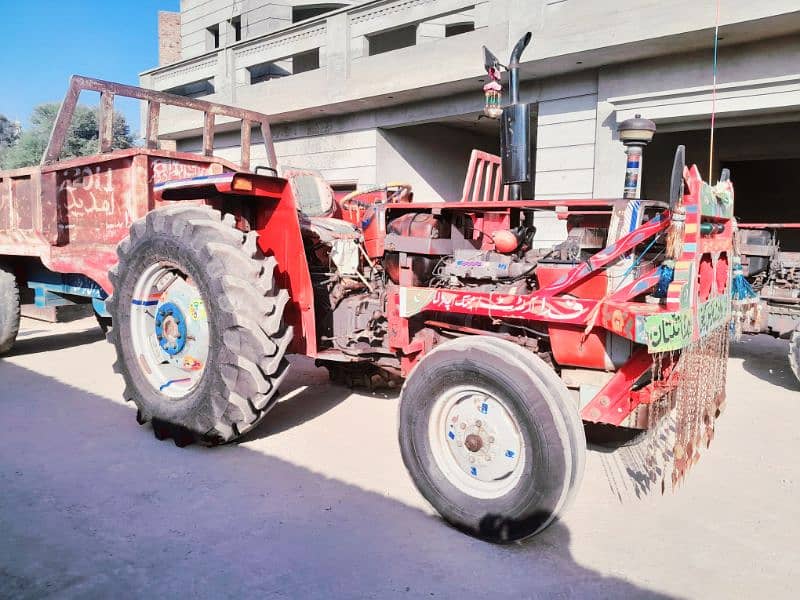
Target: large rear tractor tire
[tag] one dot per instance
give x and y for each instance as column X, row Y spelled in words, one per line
column 491, row 437
column 198, row 325
column 9, row 309
column 794, row 352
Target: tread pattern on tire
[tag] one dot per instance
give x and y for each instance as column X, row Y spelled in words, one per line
column 794, row 353
column 249, row 313
column 566, row 425
column 572, row 419
column 9, row 310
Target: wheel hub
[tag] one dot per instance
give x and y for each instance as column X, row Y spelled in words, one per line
column 476, row 442
column 170, row 328
column 473, row 442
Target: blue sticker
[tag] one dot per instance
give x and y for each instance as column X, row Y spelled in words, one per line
column 451, row 435
column 473, row 471
column 510, row 453
column 484, row 408
column 137, row 302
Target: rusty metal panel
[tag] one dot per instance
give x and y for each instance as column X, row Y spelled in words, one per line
column 49, row 210
column 93, row 202
column 5, row 204
column 168, row 169
column 23, row 202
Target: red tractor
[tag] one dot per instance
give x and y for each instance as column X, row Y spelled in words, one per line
column 214, row 274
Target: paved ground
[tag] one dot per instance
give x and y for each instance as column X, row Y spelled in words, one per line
column 316, row 502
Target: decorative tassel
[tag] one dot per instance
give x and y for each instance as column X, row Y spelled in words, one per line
column 675, row 233
column 741, row 288
column 745, row 300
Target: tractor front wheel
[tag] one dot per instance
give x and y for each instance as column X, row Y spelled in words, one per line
column 794, row 352
column 491, row 437
column 9, row 309
column 198, row 325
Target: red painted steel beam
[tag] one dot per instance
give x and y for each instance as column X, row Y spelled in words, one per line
column 613, row 403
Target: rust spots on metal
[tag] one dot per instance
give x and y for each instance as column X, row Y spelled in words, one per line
column 108, row 90
column 208, row 134
column 106, row 121
column 473, row 442
column 151, row 128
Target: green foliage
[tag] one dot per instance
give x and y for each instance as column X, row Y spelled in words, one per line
column 82, row 138
column 9, row 132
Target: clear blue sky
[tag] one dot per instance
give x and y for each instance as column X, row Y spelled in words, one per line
column 43, row 42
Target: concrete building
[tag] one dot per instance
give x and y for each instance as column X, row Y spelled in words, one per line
column 389, row 90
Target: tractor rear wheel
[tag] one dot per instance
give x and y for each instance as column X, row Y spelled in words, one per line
column 491, row 437
column 794, row 352
column 9, row 309
column 198, row 325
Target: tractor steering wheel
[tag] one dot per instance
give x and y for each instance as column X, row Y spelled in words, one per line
column 395, row 192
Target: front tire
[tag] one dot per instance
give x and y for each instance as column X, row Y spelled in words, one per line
column 198, row 325
column 9, row 309
column 794, row 352
column 491, row 437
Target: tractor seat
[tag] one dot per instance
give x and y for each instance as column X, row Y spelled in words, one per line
column 316, row 205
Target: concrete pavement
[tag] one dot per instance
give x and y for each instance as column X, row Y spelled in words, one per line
column 315, row 502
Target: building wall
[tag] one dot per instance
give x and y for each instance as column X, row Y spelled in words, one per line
column 169, row 37
column 758, row 80
column 348, row 157
column 407, row 113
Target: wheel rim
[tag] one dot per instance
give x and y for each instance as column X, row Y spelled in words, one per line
column 169, row 330
column 476, row 442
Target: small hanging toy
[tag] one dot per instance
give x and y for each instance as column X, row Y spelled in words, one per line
column 492, row 92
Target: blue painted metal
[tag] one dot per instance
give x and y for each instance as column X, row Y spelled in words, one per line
column 168, row 309
column 54, row 289
column 100, row 307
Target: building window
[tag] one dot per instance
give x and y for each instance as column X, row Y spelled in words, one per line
column 305, row 61
column 291, row 65
column 195, row 89
column 458, row 28
column 236, row 28
column 268, row 70
column 394, row 39
column 301, row 13
column 212, row 37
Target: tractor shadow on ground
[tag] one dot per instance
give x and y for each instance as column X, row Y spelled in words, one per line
column 26, row 344
column 301, row 401
column 93, row 505
column 766, row 358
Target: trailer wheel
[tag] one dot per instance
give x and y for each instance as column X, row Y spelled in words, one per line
column 794, row 352
column 9, row 309
column 198, row 325
column 491, row 438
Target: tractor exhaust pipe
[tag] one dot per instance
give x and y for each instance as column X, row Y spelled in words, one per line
column 517, row 131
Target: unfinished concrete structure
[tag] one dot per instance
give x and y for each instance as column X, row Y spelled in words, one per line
column 391, row 89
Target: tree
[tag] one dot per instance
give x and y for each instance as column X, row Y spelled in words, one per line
column 81, row 140
column 9, row 134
